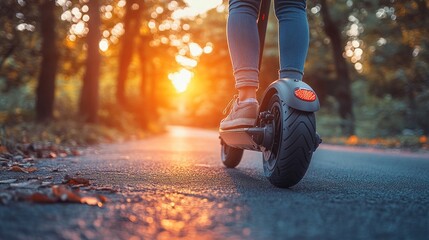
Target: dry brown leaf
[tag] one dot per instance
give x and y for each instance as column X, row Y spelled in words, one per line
column 65, row 194
column 22, row 169
column 73, row 197
column 76, row 181
column 91, row 201
column 76, row 152
column 57, row 190
column 3, row 149
column 102, row 198
column 31, row 169
column 17, row 169
column 40, row 198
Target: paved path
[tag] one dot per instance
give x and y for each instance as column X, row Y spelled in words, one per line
column 174, row 186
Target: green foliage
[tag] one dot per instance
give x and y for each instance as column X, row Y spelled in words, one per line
column 19, row 45
column 390, row 91
column 377, row 116
column 421, row 111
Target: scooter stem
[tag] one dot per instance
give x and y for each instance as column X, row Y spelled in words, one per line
column 264, row 10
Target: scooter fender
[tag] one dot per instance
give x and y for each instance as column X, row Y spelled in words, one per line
column 287, row 91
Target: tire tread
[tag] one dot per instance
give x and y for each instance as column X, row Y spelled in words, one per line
column 295, row 154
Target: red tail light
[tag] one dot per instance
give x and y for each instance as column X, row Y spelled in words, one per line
column 305, row 94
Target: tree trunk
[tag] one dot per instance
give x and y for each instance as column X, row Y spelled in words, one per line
column 144, row 77
column 131, row 29
column 343, row 93
column 45, row 92
column 89, row 94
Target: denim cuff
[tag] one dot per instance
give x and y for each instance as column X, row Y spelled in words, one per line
column 292, row 73
column 246, row 77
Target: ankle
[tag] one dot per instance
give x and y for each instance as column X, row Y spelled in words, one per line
column 246, row 93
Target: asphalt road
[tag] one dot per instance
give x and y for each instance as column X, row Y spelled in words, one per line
column 174, row 186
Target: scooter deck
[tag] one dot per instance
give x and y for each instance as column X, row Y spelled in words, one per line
column 243, row 138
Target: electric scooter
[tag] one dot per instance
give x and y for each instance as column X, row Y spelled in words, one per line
column 285, row 131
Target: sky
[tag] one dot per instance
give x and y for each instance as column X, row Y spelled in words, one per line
column 203, row 5
column 197, row 7
column 182, row 78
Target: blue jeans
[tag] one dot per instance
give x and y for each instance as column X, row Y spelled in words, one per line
column 243, row 39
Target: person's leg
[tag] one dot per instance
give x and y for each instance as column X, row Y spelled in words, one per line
column 243, row 43
column 293, row 37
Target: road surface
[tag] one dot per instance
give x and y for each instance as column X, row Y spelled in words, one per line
column 174, row 186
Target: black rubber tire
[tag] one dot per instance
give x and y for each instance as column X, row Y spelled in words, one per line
column 230, row 156
column 286, row 163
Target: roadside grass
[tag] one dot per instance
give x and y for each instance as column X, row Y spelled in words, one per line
column 413, row 143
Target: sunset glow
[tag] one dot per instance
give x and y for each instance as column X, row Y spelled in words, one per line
column 196, row 7
column 181, row 79
column 103, row 45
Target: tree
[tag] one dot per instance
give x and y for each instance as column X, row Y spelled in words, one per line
column 343, row 94
column 148, row 34
column 19, row 50
column 45, row 92
column 399, row 59
column 90, row 92
column 131, row 29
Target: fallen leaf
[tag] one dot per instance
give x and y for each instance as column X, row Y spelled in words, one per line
column 65, row 194
column 22, row 169
column 102, row 198
column 17, row 169
column 3, row 149
column 90, row 201
column 40, row 198
column 31, row 169
column 7, row 181
column 76, row 181
column 76, row 152
column 60, row 194
column 57, row 190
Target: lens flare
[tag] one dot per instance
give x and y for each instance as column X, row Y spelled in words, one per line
column 180, row 79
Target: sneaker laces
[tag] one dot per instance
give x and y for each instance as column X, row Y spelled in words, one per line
column 230, row 104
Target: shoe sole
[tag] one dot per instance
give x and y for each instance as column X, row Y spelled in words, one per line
column 238, row 123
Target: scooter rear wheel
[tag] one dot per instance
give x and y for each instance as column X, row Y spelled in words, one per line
column 230, row 156
column 287, row 160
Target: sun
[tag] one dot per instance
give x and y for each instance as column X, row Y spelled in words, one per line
column 181, row 79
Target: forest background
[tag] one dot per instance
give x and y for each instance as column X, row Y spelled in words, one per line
column 84, row 71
